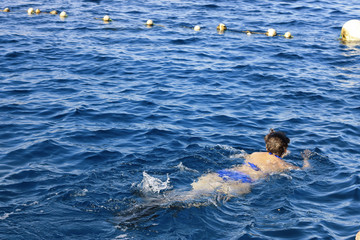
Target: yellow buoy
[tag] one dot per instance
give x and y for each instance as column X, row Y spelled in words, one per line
column 288, row 35
column 149, row 22
column 6, row 10
column 221, row 27
column 37, row 11
column 106, row 18
column 54, row 12
column 63, row 14
column 197, row 28
column 271, row 32
column 30, row 11
column 351, row 30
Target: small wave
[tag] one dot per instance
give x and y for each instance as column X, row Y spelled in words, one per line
column 80, row 193
column 184, row 41
column 235, row 153
column 151, row 184
column 242, row 154
column 121, row 236
column 285, row 175
column 227, row 148
column 182, row 167
column 5, row 216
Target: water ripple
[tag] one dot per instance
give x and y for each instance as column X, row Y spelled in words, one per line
column 86, row 107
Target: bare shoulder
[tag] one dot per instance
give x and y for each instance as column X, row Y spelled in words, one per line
column 257, row 155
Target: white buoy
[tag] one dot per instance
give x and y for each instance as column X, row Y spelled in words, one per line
column 54, row 12
column 7, row 10
column 287, row 35
column 271, row 32
column 37, row 11
column 149, row 22
column 351, row 30
column 63, row 14
column 197, row 28
column 30, row 11
column 221, row 27
column 106, row 18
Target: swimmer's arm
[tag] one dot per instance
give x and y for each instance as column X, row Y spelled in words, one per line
column 306, row 155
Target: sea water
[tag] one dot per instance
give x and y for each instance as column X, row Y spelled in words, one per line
column 101, row 120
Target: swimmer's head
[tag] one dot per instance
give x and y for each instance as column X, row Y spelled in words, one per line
column 276, row 142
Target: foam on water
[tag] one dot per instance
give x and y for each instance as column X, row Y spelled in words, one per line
column 150, row 184
column 182, row 167
column 5, row 215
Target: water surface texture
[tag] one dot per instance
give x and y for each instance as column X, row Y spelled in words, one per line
column 90, row 110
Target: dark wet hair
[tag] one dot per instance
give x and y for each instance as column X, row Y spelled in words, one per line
column 276, row 142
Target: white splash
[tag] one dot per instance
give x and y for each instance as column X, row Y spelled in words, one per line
column 182, row 167
column 285, row 175
column 121, row 236
column 5, row 216
column 151, row 184
column 242, row 154
column 227, row 148
column 81, row 193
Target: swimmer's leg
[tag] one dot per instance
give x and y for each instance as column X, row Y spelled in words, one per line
column 210, row 187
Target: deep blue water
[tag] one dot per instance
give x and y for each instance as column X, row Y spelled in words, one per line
column 87, row 107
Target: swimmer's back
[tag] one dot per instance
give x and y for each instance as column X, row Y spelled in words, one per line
column 268, row 163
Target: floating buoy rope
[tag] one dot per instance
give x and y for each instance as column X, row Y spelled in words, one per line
column 349, row 32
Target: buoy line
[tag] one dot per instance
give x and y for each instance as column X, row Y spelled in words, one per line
column 31, row 11
column 349, row 32
column 221, row 28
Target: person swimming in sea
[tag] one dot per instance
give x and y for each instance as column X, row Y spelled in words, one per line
column 223, row 184
column 237, row 180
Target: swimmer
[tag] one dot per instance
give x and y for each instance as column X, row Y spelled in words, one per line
column 225, row 183
column 357, row 237
column 237, row 180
